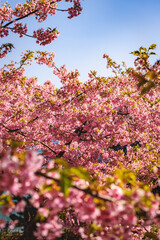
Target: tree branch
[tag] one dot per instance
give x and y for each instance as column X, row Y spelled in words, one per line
column 87, row 190
column 33, row 139
column 31, row 13
column 21, row 33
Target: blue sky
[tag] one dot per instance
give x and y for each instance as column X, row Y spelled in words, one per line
column 115, row 27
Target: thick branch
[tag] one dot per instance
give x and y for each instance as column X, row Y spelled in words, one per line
column 17, row 19
column 87, row 190
column 31, row 13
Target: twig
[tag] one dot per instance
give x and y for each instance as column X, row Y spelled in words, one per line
column 33, row 139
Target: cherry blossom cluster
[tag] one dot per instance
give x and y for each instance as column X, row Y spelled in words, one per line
column 6, row 13
column 99, row 142
column 45, row 36
column 111, row 210
column 10, row 18
column 45, row 58
column 3, row 32
column 74, row 115
column 17, row 179
column 45, row 8
column 5, row 48
column 81, row 125
column 75, row 10
column 19, row 28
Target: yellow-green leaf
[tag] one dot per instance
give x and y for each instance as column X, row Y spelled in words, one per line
column 152, row 46
column 151, row 235
column 65, row 183
column 81, row 173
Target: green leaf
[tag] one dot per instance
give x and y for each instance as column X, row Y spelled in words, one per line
column 136, row 53
column 47, row 187
column 8, row 45
column 137, row 75
column 141, row 83
column 152, row 46
column 39, row 217
column 16, row 143
column 152, row 53
column 65, row 182
column 51, row 169
column 62, row 162
column 81, row 173
column 143, row 48
column 126, row 175
column 147, row 88
column 4, row 199
column 151, row 235
column 150, row 75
